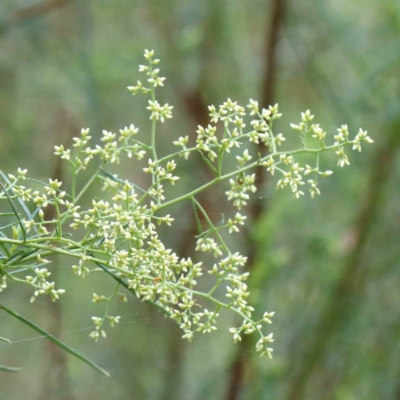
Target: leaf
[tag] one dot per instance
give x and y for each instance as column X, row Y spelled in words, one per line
column 3, row 339
column 209, row 163
column 115, row 179
column 21, row 202
column 15, row 212
column 3, row 246
column 199, row 224
column 50, row 337
column 21, row 254
column 9, row 369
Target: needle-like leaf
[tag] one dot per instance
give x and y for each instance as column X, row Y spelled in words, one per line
column 53, row 339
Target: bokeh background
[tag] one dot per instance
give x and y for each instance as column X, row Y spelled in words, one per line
column 329, row 268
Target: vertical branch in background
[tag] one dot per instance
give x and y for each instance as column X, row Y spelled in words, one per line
column 239, row 366
column 193, row 101
column 57, row 367
column 337, row 310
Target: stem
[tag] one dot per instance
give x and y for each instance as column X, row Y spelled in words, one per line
column 88, row 183
column 271, row 134
column 153, row 129
column 254, row 164
column 53, row 339
column 109, row 300
column 49, row 249
column 221, row 153
column 153, row 145
column 59, row 220
column 178, row 153
column 305, row 136
column 73, row 184
column 222, row 305
column 212, row 227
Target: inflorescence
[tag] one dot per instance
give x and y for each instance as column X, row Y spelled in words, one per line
column 118, row 234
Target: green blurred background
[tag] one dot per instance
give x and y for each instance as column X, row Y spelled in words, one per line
column 329, row 268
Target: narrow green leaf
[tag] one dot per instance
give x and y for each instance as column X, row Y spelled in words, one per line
column 53, row 339
column 3, row 339
column 7, row 226
column 3, row 246
column 199, row 224
column 115, row 179
column 38, row 181
column 21, row 202
column 15, row 212
column 21, row 254
column 9, row 369
column 209, row 163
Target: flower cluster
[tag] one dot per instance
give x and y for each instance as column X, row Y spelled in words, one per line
column 118, row 234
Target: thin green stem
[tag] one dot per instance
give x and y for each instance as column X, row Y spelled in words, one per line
column 211, row 225
column 49, row 249
column 59, row 219
column 52, row 338
column 88, row 183
column 221, row 153
column 317, row 167
column 271, row 134
column 109, row 300
column 178, row 153
column 305, row 137
column 147, row 193
column 73, row 183
column 153, row 146
column 252, row 165
column 153, row 129
column 222, row 305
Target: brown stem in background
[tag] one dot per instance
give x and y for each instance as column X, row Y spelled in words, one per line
column 240, row 364
column 57, row 367
column 196, row 108
column 337, row 309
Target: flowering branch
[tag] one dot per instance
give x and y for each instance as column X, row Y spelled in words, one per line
column 118, row 234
